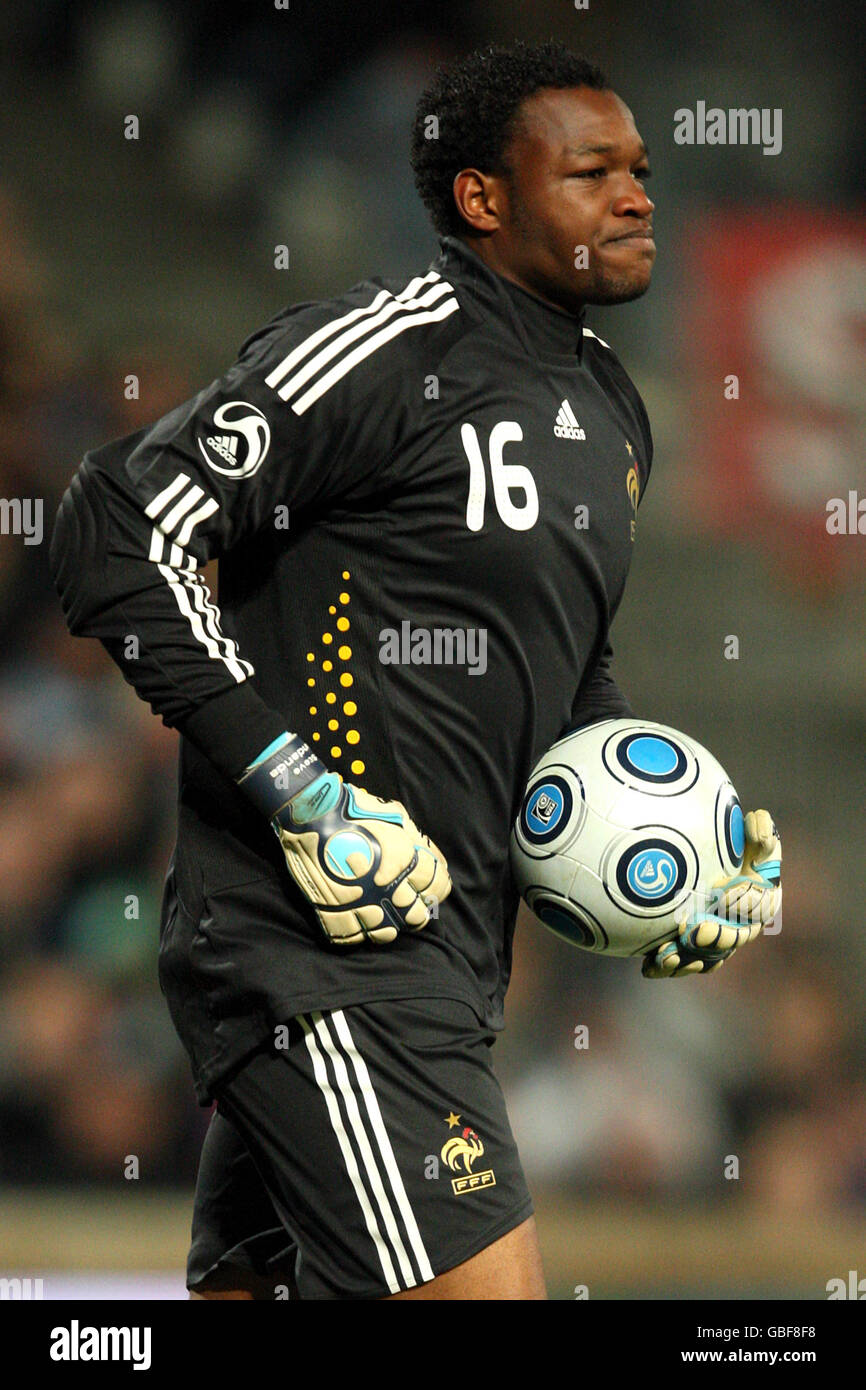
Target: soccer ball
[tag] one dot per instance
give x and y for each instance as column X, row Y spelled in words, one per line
column 623, row 828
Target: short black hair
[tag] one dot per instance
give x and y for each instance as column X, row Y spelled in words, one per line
column 475, row 102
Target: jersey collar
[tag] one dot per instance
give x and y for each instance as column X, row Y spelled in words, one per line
column 544, row 331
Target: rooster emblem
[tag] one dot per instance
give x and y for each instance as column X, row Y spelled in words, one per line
column 633, row 487
column 466, row 1147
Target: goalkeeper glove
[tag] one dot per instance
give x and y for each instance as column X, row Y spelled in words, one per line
column 737, row 912
column 361, row 861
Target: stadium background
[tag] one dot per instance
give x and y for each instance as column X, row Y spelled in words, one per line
column 155, row 257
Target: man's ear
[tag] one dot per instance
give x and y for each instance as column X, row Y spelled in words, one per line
column 481, row 200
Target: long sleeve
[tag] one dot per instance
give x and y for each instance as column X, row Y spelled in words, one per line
column 600, row 697
column 145, row 513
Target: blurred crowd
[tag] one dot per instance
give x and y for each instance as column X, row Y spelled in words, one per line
column 765, row 1063
column 90, row 1070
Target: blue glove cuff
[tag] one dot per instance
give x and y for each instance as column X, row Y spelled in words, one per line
column 284, row 769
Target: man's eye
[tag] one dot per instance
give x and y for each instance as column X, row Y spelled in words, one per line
column 588, row 173
column 643, row 174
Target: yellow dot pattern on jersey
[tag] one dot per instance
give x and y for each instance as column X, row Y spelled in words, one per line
column 346, row 680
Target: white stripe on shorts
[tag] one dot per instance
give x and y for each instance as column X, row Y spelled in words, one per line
column 321, row 1074
column 341, row 1024
column 379, row 1164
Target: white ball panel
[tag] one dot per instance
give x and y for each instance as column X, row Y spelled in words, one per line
column 652, row 822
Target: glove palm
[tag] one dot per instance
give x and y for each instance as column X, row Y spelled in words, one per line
column 740, row 908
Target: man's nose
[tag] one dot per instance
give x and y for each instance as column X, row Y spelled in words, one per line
column 632, row 200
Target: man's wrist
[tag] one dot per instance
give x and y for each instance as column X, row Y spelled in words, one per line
column 280, row 772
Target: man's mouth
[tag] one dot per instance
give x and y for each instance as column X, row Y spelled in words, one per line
column 643, row 235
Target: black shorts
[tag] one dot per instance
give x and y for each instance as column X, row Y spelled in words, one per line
column 364, row 1151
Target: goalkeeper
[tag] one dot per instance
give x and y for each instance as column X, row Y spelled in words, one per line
column 388, row 480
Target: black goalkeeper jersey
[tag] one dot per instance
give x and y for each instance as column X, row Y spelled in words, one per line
column 422, row 497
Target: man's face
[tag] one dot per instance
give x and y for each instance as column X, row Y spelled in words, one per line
column 577, row 168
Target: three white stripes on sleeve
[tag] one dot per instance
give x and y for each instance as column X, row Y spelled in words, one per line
column 174, row 524
column 179, row 569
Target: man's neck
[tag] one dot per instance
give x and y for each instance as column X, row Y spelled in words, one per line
column 551, row 328
column 487, row 254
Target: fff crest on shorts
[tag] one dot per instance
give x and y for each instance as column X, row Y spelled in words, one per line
column 460, row 1153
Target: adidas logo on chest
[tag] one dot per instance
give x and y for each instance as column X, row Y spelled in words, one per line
column 566, row 426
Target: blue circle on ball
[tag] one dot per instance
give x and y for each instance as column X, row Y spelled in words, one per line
column 651, row 758
column 564, row 924
column 737, row 831
column 654, row 756
column 546, row 809
column 651, row 874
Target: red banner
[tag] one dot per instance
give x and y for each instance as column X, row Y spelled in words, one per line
column 776, row 370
